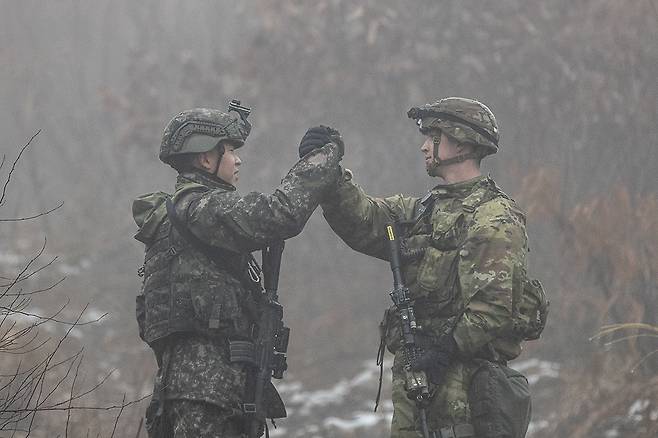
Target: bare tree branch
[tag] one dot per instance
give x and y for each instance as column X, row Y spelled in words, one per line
column 23, row 278
column 13, row 167
column 44, row 213
column 116, row 421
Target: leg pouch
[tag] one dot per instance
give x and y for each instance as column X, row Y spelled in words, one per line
column 273, row 403
column 157, row 423
column 500, row 402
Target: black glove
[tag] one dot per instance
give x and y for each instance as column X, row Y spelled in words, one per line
column 317, row 137
column 436, row 359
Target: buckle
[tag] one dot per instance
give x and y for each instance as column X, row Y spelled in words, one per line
column 249, row 408
column 447, row 432
column 463, row 430
column 254, row 271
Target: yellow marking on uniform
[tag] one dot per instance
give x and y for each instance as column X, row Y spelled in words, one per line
column 391, row 236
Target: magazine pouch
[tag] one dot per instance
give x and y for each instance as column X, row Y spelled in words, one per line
column 500, row 401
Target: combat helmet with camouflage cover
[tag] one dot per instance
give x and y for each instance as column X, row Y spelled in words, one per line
column 463, row 120
column 201, row 129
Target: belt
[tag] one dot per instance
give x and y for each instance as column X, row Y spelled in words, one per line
column 464, row 430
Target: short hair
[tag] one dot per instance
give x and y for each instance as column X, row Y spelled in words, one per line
column 472, row 146
column 187, row 162
column 183, row 162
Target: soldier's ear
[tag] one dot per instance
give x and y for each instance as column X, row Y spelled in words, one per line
column 204, row 161
column 465, row 147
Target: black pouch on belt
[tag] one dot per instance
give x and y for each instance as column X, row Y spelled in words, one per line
column 500, row 401
column 157, row 423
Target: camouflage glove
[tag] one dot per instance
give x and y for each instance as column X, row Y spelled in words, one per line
column 319, row 136
column 436, row 359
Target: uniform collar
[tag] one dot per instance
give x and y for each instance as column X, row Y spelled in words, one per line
column 461, row 189
column 203, row 178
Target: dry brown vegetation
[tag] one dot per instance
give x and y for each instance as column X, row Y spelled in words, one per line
column 608, row 246
column 41, row 384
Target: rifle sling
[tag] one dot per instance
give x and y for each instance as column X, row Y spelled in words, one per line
column 221, row 257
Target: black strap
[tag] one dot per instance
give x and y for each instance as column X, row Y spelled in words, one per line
column 223, row 258
column 426, row 206
column 422, row 209
column 380, row 363
column 161, row 384
column 460, row 158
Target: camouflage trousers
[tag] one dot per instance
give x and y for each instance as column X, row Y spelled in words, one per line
column 194, row 419
column 449, row 403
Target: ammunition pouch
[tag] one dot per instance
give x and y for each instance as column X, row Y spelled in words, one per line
column 157, row 422
column 499, row 398
column 246, row 352
column 272, row 402
column 243, row 352
column 529, row 306
column 274, row 407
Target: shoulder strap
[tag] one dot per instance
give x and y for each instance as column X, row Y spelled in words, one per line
column 422, row 208
column 481, row 196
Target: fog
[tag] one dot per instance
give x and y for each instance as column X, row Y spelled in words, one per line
column 573, row 87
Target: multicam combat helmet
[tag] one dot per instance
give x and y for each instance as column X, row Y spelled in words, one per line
column 464, row 120
column 201, row 129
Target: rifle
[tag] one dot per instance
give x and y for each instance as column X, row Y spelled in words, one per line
column 416, row 381
column 271, row 343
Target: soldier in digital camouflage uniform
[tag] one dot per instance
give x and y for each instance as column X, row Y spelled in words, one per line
column 462, row 244
column 195, row 295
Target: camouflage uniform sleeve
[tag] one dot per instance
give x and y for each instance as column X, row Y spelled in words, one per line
column 360, row 220
column 496, row 244
column 250, row 222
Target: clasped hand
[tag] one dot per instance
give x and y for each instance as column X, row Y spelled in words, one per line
column 318, row 136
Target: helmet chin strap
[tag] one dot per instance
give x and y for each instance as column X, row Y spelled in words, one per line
column 214, row 174
column 436, row 161
column 433, row 169
column 219, row 161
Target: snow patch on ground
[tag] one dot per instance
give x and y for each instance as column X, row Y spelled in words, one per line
column 330, row 411
column 535, row 426
column 359, row 420
column 536, row 369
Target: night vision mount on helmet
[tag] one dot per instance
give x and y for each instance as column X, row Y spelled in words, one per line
column 202, row 129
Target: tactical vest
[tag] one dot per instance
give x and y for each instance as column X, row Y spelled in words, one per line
column 187, row 290
column 431, row 248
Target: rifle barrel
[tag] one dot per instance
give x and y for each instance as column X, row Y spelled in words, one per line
column 394, row 251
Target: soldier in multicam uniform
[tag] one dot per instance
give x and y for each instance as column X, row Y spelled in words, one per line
column 462, row 243
column 197, row 294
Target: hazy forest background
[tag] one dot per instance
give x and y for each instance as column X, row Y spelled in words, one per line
column 572, row 83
